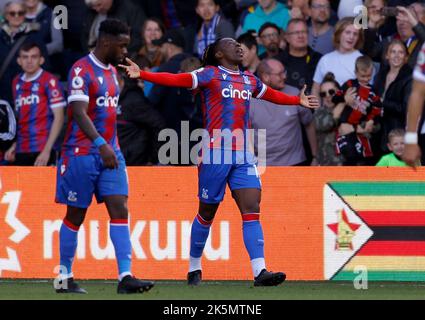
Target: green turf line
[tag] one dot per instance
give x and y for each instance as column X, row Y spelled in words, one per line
column 383, row 276
column 379, row 188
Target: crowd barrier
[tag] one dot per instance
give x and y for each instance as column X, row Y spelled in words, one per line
column 323, row 223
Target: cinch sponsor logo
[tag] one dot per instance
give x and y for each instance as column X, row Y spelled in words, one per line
column 107, row 101
column 23, row 101
column 235, row 93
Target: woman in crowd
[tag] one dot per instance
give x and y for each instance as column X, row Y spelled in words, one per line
column 326, row 119
column 393, row 84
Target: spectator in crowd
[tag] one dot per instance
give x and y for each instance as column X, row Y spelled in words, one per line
column 73, row 49
column 7, row 128
column 40, row 104
column 100, row 10
column 283, row 124
column 173, row 103
column 176, row 14
column 138, row 125
column 299, row 9
column 214, row 25
column 267, row 11
column 410, row 29
column 13, row 33
column 347, row 41
column 269, row 38
column 396, row 147
column 326, row 119
column 360, row 115
column 381, row 28
column 37, row 11
column 394, row 83
column 300, row 60
column 249, row 46
column 152, row 29
column 320, row 31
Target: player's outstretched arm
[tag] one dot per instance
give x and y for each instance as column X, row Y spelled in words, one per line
column 182, row 80
column 310, row 101
column 281, row 98
column 412, row 152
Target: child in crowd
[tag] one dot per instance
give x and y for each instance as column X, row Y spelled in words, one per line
column 396, row 145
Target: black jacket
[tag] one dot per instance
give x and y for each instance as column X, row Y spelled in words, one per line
column 138, row 126
column 122, row 10
column 175, row 104
column 395, row 100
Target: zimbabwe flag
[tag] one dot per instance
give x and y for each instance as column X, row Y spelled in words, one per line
column 379, row 226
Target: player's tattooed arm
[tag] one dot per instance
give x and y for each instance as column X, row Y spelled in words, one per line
column 79, row 109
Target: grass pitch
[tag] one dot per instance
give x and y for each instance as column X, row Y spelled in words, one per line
column 222, row 290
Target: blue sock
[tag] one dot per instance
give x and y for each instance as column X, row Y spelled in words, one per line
column 253, row 235
column 120, row 236
column 198, row 238
column 68, row 240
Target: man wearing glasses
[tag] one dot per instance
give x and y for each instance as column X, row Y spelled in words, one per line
column 269, row 35
column 283, row 124
column 320, row 32
column 299, row 59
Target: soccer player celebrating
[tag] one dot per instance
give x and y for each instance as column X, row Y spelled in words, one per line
column 91, row 161
column 225, row 92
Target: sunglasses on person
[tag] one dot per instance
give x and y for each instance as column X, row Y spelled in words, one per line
column 16, row 13
column 331, row 92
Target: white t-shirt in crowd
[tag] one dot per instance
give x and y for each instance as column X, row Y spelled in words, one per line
column 342, row 65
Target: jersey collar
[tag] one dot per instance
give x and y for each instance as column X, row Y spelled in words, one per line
column 228, row 70
column 34, row 77
column 98, row 63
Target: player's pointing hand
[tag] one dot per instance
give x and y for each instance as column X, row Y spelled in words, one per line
column 308, row 101
column 133, row 70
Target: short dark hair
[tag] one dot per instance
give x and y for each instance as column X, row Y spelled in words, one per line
column 266, row 25
column 27, row 46
column 113, row 27
column 247, row 39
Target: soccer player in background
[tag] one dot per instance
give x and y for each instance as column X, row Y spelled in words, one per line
column 412, row 144
column 39, row 104
column 91, row 161
column 225, row 92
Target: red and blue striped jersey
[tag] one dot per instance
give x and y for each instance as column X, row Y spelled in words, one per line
column 34, row 100
column 95, row 83
column 225, row 96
